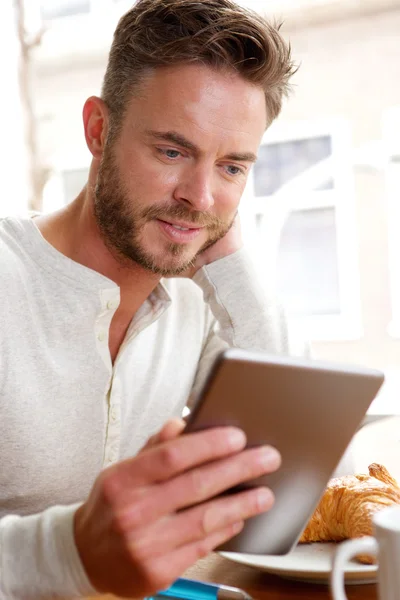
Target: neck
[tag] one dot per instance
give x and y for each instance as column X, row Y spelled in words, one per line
column 73, row 231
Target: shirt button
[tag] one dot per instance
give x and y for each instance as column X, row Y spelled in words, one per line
column 111, row 304
column 101, row 336
column 114, row 413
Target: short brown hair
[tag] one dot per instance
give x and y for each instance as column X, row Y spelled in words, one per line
column 216, row 33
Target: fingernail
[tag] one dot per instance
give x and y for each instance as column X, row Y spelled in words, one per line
column 237, row 438
column 270, row 457
column 265, row 498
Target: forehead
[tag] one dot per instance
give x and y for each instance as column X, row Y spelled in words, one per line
column 200, row 102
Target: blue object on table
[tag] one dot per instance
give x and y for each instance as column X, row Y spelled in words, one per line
column 189, row 589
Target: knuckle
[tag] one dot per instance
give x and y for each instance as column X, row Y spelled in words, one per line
column 216, row 442
column 208, row 544
column 256, row 504
column 118, row 525
column 198, row 484
column 203, row 548
column 152, row 441
column 251, row 506
column 138, row 512
column 252, row 465
column 138, row 550
column 171, row 458
column 129, row 519
column 109, row 486
column 136, row 517
column 205, row 524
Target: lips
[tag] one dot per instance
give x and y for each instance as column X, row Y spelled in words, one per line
column 179, row 232
column 181, row 226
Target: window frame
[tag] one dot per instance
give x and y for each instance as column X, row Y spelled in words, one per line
column 347, row 325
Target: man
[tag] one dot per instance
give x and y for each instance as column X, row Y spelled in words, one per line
column 102, row 343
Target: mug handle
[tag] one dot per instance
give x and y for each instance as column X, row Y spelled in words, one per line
column 346, row 551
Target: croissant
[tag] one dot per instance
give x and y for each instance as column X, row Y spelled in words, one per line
column 348, row 505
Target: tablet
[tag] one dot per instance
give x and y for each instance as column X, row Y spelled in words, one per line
column 309, row 410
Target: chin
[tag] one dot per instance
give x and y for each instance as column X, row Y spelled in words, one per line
column 173, row 268
column 163, row 263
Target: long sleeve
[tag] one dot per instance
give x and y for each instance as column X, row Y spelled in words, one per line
column 246, row 315
column 38, row 557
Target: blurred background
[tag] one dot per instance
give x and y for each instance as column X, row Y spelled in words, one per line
column 321, row 212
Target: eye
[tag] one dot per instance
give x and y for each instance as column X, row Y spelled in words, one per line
column 234, row 170
column 169, row 152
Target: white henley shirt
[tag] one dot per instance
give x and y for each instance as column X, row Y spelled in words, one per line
column 67, row 412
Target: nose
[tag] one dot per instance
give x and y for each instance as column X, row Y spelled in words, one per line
column 195, row 188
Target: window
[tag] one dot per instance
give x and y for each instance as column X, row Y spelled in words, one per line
column 307, row 264
column 391, row 154
column 279, row 162
column 73, row 180
column 63, row 186
column 299, row 211
column 54, row 9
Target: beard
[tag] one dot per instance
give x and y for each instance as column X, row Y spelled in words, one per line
column 121, row 222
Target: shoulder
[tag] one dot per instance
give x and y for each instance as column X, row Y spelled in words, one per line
column 15, row 254
column 184, row 293
column 11, row 251
column 188, row 304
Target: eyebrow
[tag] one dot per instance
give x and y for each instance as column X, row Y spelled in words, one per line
column 242, row 156
column 177, row 138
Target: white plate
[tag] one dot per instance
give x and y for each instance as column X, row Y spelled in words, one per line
column 307, row 562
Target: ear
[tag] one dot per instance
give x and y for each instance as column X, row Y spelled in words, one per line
column 95, row 121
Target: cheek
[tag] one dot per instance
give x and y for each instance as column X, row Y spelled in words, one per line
column 148, row 174
column 226, row 202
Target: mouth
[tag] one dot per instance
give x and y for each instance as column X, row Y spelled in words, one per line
column 179, row 232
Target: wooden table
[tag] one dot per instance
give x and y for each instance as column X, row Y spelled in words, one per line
column 262, row 586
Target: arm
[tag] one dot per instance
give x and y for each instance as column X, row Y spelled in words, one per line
column 244, row 313
column 247, row 317
column 38, row 556
column 146, row 520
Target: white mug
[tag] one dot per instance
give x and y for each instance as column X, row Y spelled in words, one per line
column 385, row 546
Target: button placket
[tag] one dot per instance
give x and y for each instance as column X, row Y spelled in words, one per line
column 101, row 336
column 114, row 413
column 113, row 433
column 112, row 304
column 108, row 298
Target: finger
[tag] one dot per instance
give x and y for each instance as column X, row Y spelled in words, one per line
column 167, row 568
column 209, row 480
column 196, row 523
column 196, row 486
column 167, row 460
column 169, row 431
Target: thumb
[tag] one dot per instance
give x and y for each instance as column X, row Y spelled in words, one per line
column 170, row 430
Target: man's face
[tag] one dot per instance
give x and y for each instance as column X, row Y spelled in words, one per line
column 169, row 184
